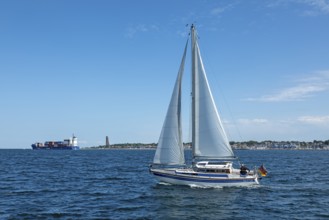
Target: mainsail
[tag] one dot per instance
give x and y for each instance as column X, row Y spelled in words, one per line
column 209, row 139
column 170, row 149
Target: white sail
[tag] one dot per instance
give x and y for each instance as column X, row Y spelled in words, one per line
column 170, row 149
column 208, row 135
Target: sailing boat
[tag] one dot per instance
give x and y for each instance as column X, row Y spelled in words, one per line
column 212, row 164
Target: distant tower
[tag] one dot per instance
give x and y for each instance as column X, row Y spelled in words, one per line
column 107, row 142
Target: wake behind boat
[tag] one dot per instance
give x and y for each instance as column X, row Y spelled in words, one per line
column 212, row 164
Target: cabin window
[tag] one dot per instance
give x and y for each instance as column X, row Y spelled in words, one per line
column 216, row 163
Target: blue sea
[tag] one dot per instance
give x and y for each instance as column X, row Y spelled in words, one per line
column 116, row 184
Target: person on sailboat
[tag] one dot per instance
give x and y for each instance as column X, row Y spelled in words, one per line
column 244, row 169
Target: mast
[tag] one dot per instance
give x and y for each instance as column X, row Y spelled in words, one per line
column 193, row 87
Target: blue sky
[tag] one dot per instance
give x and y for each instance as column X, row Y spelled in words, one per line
column 97, row 68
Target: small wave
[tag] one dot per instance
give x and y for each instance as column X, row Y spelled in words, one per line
column 165, row 184
column 251, row 186
column 113, row 178
column 129, row 208
column 322, row 215
column 205, row 187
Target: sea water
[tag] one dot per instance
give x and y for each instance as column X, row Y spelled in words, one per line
column 116, row 184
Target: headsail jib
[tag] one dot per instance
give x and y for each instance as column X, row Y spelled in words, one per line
column 170, row 148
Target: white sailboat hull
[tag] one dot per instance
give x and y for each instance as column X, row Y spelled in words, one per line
column 201, row 179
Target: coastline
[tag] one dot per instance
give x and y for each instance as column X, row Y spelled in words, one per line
column 247, row 145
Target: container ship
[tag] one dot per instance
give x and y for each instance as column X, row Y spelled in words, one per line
column 67, row 144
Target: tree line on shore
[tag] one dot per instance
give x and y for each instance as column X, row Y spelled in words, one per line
column 244, row 145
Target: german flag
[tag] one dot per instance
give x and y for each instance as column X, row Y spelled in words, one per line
column 262, row 170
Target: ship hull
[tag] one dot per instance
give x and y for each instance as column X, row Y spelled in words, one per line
column 56, row 148
column 203, row 179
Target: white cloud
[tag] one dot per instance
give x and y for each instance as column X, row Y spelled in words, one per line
column 300, row 128
column 303, row 128
column 253, row 121
column 317, row 120
column 133, row 30
column 221, row 9
column 306, row 87
column 296, row 93
column 318, row 6
column 314, row 7
column 217, row 11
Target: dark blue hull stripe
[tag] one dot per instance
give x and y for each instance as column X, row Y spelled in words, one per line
column 213, row 175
